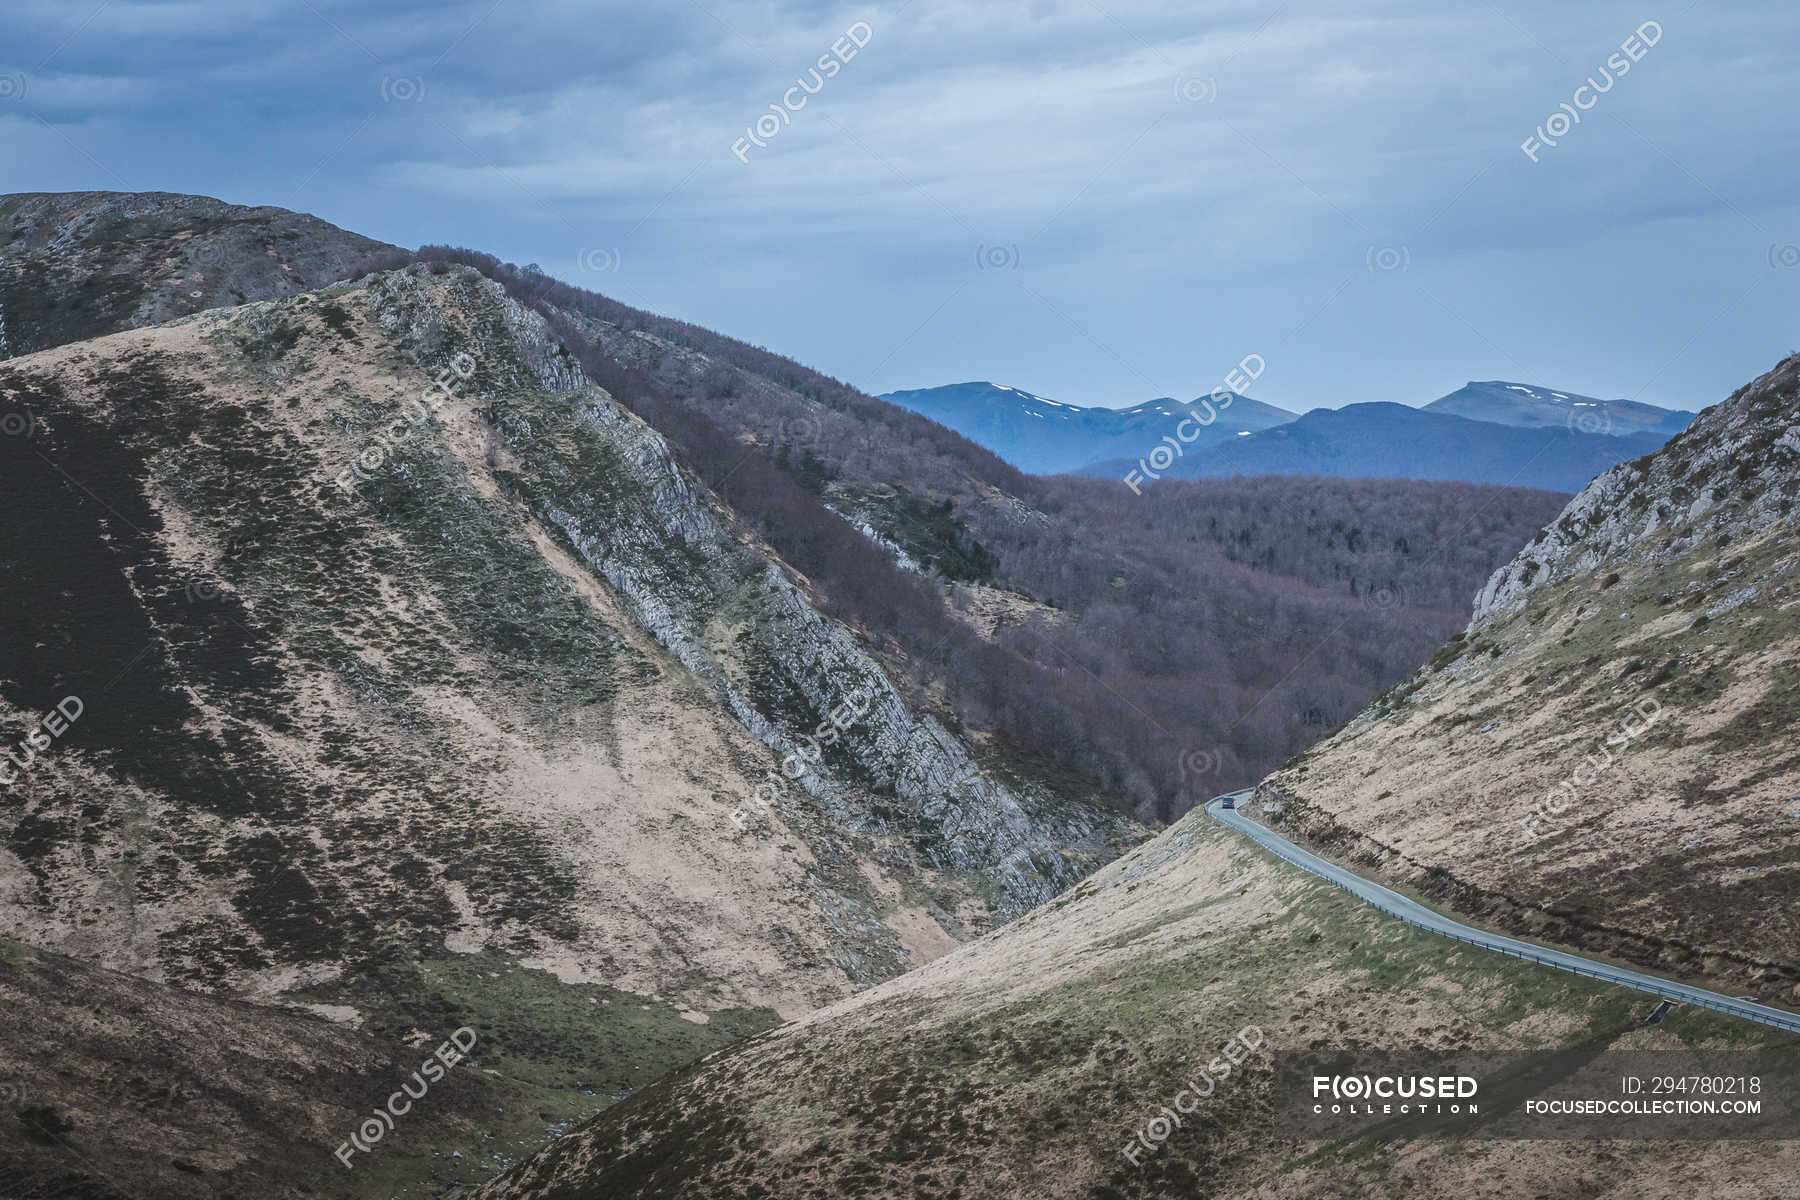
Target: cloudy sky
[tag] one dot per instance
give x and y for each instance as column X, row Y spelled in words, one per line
column 1099, row 201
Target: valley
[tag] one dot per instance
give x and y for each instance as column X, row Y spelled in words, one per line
column 1021, row 1063
column 780, row 793
column 1061, row 601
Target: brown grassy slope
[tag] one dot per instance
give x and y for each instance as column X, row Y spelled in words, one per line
column 115, row 1088
column 77, row 265
column 1520, row 778
column 397, row 757
column 1022, row 1064
column 352, row 726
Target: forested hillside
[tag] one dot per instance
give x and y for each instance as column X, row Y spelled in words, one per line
column 1156, row 647
column 1151, row 648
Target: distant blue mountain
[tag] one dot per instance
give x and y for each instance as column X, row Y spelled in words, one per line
column 1395, row 441
column 1046, row 437
column 1533, row 407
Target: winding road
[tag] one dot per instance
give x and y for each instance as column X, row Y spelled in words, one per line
column 1414, row 913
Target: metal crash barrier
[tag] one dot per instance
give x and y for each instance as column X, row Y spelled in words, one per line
column 1287, row 852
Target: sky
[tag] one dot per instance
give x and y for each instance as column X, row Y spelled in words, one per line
column 1099, row 201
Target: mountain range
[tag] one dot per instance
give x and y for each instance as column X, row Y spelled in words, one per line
column 436, row 647
column 1495, row 432
column 1531, row 407
column 1046, row 437
column 1395, row 441
column 774, row 792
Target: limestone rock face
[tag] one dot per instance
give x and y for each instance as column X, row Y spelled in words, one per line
column 1732, row 470
column 744, row 625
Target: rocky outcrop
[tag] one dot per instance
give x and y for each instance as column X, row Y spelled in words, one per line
column 1734, row 471
column 741, row 622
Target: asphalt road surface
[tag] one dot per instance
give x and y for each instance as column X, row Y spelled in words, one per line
column 1414, row 913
